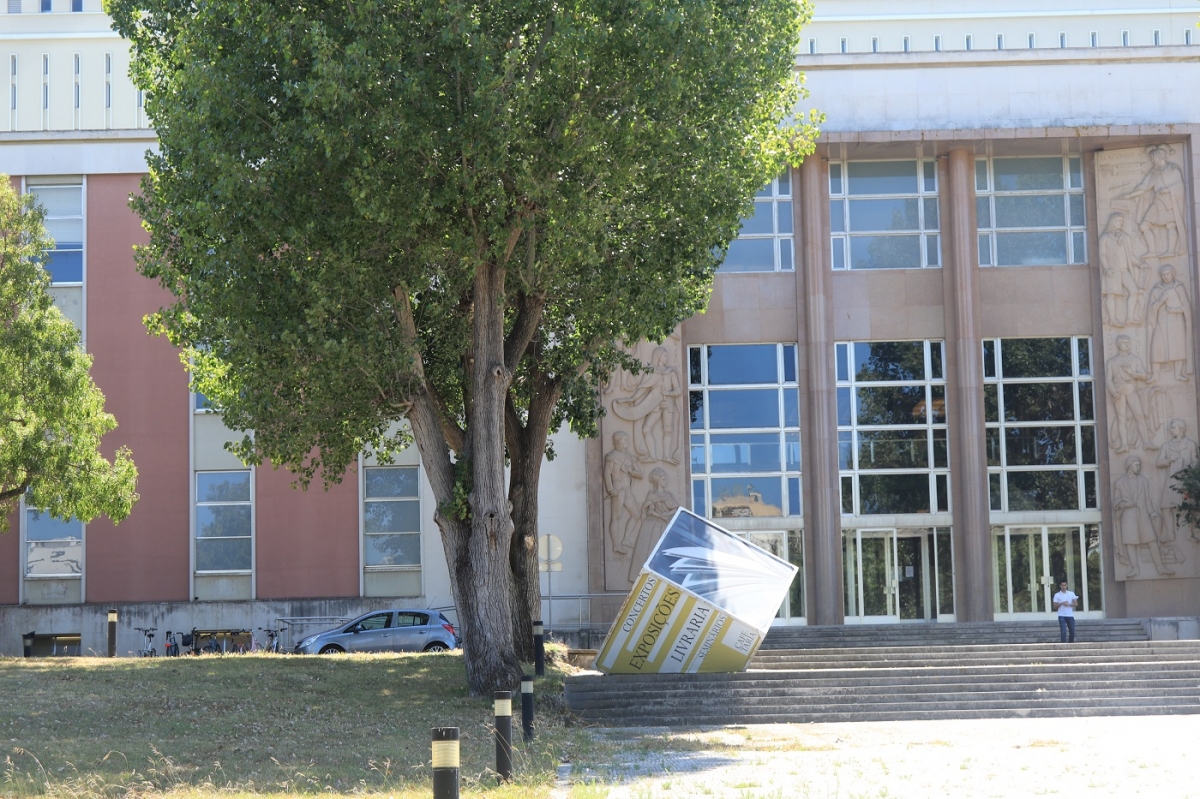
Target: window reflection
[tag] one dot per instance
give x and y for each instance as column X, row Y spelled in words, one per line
column 893, row 435
column 745, row 422
column 1036, row 466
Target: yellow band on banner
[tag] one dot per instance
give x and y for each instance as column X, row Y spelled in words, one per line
column 445, row 754
column 503, row 707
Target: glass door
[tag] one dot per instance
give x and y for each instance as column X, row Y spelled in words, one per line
column 787, row 547
column 872, row 590
column 912, row 569
column 1031, row 560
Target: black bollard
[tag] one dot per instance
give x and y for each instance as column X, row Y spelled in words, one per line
column 539, row 650
column 504, row 765
column 445, row 763
column 527, row 708
column 112, row 633
column 27, row 643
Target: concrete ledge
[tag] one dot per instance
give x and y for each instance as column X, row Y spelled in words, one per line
column 1174, row 628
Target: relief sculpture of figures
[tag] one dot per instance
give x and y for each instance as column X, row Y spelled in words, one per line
column 1136, row 516
column 1169, row 319
column 653, row 407
column 1160, row 205
column 1131, row 426
column 1177, row 453
column 1122, row 277
column 657, row 509
column 620, row 470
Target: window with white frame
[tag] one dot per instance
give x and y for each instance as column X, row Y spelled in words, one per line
column 884, row 214
column 892, row 442
column 53, row 547
column 224, row 521
column 391, row 517
column 745, row 430
column 64, row 222
column 1040, row 423
column 766, row 242
column 1030, row 211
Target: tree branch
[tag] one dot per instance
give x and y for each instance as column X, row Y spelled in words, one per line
column 529, row 318
column 12, row 493
column 451, row 432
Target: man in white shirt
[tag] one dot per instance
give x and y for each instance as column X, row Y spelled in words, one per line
column 1065, row 602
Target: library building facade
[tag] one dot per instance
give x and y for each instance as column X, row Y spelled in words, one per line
column 949, row 362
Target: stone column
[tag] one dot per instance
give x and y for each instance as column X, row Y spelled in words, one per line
column 968, row 453
column 818, row 406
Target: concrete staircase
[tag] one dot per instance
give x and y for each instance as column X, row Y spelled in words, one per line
column 899, row 674
column 999, row 632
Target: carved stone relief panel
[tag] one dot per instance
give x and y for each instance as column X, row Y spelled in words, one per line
column 644, row 439
column 1148, row 312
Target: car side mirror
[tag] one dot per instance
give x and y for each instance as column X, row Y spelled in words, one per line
column 355, row 629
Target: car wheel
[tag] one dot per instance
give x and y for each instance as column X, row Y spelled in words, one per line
column 332, row 650
column 437, row 646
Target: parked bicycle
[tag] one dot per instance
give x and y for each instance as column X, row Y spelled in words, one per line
column 147, row 651
column 171, row 647
column 272, row 644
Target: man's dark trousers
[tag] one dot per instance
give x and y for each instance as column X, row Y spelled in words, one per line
column 1065, row 624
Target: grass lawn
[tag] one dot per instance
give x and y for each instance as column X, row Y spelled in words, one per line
column 260, row 724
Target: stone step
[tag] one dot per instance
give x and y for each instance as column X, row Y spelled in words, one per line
column 789, row 695
column 899, row 656
column 933, row 634
column 1027, row 710
column 656, row 682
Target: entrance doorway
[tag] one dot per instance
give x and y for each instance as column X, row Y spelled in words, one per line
column 898, row 574
column 1030, row 560
column 790, row 547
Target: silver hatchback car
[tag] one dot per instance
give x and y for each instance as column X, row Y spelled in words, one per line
column 406, row 630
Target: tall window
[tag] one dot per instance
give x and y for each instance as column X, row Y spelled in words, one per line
column 391, row 518
column 224, row 521
column 1030, row 211
column 892, row 446
column 53, row 547
column 64, row 223
column 766, row 241
column 884, row 214
column 1041, row 424
column 745, row 421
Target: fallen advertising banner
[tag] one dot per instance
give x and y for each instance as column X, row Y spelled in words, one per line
column 702, row 603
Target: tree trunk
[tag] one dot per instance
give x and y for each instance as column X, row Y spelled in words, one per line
column 476, row 547
column 523, row 554
column 527, row 448
column 480, row 565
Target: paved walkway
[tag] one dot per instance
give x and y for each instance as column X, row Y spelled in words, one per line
column 1150, row 756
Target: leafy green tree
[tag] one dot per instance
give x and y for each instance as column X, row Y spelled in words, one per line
column 451, row 213
column 51, row 413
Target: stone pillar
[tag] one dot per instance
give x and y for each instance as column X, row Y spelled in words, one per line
column 968, row 453
column 818, row 406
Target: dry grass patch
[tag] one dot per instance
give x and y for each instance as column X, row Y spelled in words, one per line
column 259, row 724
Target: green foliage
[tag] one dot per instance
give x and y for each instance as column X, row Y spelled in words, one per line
column 1187, row 483
column 51, row 413
column 327, row 168
column 458, row 506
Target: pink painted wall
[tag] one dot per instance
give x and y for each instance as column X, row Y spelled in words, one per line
column 306, row 541
column 145, row 557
